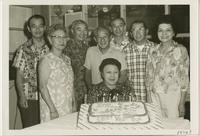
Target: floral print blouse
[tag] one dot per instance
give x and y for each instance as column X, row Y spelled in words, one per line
column 168, row 71
column 26, row 59
column 101, row 93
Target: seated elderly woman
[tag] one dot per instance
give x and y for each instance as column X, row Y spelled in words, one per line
column 109, row 89
column 56, row 78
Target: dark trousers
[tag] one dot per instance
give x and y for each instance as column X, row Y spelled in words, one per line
column 187, row 110
column 30, row 116
column 78, row 103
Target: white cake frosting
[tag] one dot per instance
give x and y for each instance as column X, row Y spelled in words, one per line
column 118, row 112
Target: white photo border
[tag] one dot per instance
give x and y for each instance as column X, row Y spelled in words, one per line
column 194, row 67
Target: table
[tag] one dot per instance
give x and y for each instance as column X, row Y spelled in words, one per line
column 66, row 122
column 70, row 122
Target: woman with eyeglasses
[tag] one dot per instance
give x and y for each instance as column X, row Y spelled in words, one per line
column 56, row 78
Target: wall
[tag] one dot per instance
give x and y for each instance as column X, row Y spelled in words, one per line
column 14, row 114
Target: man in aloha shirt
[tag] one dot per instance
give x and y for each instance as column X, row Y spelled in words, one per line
column 25, row 61
column 136, row 58
column 76, row 50
column 119, row 38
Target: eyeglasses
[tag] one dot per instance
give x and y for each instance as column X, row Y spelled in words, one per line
column 59, row 37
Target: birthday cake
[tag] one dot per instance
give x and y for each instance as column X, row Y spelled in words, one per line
column 118, row 113
column 120, row 116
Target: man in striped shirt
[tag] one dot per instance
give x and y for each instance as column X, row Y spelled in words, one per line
column 136, row 57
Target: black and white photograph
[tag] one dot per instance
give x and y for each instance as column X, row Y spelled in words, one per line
column 101, row 68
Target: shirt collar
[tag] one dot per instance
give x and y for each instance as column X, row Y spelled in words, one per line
column 173, row 45
column 31, row 45
column 103, row 86
column 146, row 44
column 110, row 49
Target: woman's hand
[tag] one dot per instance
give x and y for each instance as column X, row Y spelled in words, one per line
column 23, row 101
column 181, row 109
column 54, row 115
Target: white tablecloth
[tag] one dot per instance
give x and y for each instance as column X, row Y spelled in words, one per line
column 154, row 115
column 66, row 122
column 70, row 122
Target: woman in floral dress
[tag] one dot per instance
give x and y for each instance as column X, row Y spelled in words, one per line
column 56, row 78
column 167, row 72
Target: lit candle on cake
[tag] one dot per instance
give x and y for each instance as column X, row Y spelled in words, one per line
column 97, row 97
column 117, row 97
column 104, row 97
column 133, row 99
column 85, row 99
column 129, row 97
column 109, row 97
column 124, row 97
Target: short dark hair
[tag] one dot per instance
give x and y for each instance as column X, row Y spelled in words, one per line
column 36, row 17
column 120, row 18
column 166, row 19
column 138, row 22
column 109, row 61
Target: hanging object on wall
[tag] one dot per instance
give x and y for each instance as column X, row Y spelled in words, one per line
column 136, row 10
column 94, row 9
column 105, row 9
column 58, row 17
column 77, row 8
column 57, row 10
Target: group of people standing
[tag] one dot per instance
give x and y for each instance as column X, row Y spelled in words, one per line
column 57, row 75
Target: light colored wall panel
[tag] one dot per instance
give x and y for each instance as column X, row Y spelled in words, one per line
column 70, row 17
column 16, row 38
column 92, row 23
column 18, row 16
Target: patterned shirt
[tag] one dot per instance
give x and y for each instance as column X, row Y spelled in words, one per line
column 120, row 46
column 76, row 51
column 168, row 71
column 136, row 65
column 26, row 59
column 101, row 93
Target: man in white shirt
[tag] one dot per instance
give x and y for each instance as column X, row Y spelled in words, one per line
column 96, row 54
column 119, row 38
